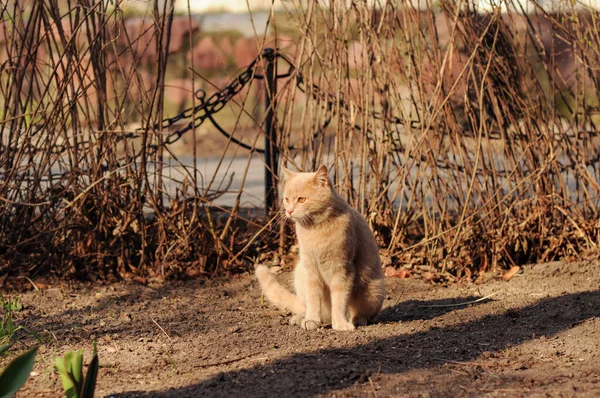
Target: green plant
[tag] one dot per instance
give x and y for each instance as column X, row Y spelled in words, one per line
column 16, row 372
column 7, row 325
column 70, row 369
column 13, row 304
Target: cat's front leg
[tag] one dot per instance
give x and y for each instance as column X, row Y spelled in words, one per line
column 300, row 289
column 314, row 290
column 340, row 287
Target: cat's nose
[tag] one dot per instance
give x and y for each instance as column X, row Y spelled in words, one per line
column 289, row 212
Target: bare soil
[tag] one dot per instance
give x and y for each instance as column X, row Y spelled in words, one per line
column 537, row 335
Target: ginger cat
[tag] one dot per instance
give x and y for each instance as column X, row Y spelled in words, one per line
column 338, row 278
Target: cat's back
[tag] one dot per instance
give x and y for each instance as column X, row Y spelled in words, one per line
column 352, row 228
column 368, row 251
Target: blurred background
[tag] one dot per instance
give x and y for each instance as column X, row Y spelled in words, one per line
column 133, row 133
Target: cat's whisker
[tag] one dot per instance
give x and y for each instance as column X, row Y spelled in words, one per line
column 310, row 220
column 307, row 220
column 302, row 219
column 279, row 221
column 284, row 219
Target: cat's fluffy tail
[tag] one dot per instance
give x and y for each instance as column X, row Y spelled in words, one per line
column 277, row 294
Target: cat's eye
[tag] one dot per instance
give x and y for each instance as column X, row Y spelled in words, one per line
column 286, row 200
column 301, row 199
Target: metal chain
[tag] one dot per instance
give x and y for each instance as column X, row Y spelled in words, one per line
column 208, row 107
column 217, row 101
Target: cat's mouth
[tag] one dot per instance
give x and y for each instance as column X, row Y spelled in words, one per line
column 292, row 217
column 301, row 219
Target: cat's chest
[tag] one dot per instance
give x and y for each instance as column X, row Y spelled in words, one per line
column 321, row 242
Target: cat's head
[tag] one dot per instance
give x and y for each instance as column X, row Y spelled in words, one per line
column 306, row 195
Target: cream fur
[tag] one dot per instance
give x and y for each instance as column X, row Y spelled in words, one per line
column 338, row 278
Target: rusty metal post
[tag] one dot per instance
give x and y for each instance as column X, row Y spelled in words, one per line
column 271, row 149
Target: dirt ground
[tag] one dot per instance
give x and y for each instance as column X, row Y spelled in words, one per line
column 537, row 335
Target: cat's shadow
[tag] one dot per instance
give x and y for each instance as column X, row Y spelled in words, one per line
column 411, row 310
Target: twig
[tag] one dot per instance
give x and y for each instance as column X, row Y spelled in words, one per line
column 208, row 365
column 460, row 304
column 461, row 363
column 373, row 386
column 163, row 330
column 37, row 289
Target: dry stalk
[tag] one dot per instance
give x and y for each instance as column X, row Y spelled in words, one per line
column 467, row 139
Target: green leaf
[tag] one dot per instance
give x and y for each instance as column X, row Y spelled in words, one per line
column 4, row 348
column 16, row 305
column 16, row 373
column 70, row 368
column 77, row 369
column 63, row 366
column 89, row 385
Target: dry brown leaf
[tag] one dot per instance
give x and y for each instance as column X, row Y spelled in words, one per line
column 41, row 285
column 192, row 273
column 140, row 280
column 511, row 272
column 393, row 272
column 403, row 273
column 429, row 276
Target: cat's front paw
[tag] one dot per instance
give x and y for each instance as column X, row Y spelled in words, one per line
column 296, row 320
column 309, row 324
column 345, row 325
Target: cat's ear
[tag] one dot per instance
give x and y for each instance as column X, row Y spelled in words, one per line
column 321, row 177
column 287, row 173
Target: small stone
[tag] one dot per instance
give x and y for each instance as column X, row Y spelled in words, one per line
column 125, row 317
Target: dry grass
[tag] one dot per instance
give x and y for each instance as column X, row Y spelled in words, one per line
column 460, row 136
